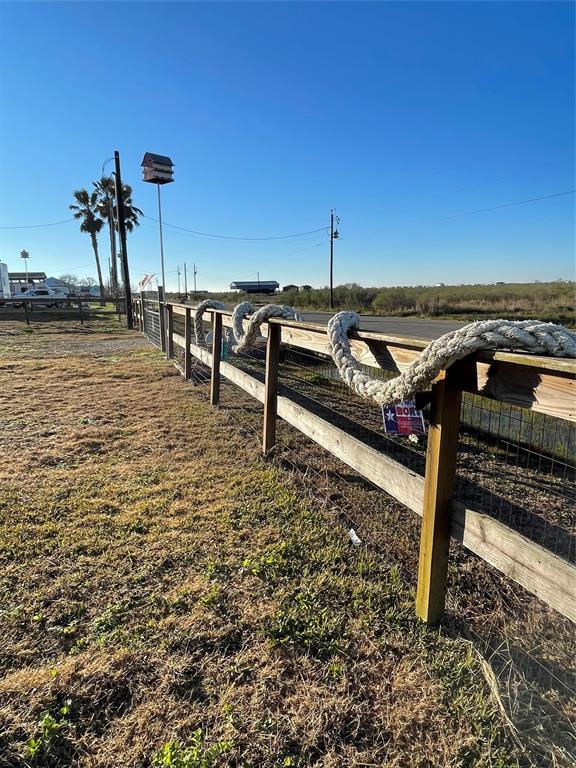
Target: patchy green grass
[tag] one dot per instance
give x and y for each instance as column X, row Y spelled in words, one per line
column 169, row 599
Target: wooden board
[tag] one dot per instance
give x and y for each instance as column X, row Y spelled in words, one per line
column 271, row 389
column 441, row 456
column 550, row 578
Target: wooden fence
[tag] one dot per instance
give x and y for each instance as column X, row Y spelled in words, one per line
column 544, row 385
column 39, row 304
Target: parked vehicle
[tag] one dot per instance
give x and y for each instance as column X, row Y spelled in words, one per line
column 52, row 299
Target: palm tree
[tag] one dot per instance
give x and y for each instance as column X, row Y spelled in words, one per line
column 105, row 189
column 86, row 211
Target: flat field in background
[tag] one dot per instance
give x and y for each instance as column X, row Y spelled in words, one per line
column 553, row 302
column 170, row 598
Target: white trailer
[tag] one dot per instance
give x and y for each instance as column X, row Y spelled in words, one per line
column 5, row 292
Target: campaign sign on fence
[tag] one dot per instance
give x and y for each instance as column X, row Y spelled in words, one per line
column 403, row 418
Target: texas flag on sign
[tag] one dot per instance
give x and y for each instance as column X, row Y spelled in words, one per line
column 403, row 419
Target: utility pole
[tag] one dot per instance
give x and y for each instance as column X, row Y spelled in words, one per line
column 334, row 235
column 123, row 249
column 195, row 270
column 185, row 281
column 178, row 267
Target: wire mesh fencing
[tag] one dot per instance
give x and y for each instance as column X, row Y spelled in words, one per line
column 518, row 466
column 151, row 321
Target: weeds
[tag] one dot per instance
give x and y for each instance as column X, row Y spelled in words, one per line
column 196, row 755
column 50, row 733
column 302, row 621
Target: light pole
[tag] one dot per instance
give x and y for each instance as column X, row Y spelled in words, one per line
column 25, row 255
column 334, row 235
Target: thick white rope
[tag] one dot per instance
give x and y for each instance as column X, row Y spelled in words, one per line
column 246, row 339
column 528, row 335
column 199, row 333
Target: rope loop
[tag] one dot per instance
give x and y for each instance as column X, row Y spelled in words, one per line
column 528, row 335
column 246, row 339
column 199, row 332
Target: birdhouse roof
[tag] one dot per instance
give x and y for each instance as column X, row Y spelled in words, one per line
column 151, row 159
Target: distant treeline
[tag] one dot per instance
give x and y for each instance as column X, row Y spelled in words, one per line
column 550, row 301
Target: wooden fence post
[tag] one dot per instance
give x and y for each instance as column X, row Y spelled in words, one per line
column 169, row 331
column 142, row 323
column 162, row 318
column 438, row 488
column 187, row 340
column 271, row 386
column 216, row 354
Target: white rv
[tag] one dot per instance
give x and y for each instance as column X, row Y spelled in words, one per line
column 5, row 292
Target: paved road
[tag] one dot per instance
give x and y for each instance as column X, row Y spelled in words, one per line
column 411, row 327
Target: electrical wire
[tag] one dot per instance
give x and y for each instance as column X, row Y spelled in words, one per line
column 507, row 205
column 35, row 226
column 299, row 234
column 230, row 237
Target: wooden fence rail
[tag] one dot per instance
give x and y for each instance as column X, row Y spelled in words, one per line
column 545, row 385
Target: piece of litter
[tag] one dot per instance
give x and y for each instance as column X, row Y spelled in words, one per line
column 354, row 537
column 413, row 439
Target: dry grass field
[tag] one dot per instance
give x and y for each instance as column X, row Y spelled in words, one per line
column 169, row 598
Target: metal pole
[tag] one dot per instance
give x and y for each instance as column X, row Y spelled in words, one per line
column 195, row 270
column 185, row 281
column 123, row 249
column 161, row 239
column 178, row 279
column 331, row 259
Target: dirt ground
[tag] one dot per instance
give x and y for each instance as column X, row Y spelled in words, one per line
column 168, row 597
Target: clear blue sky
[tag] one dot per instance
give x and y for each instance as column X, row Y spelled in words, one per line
column 398, row 115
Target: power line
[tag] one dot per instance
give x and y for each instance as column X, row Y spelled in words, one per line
column 35, row 226
column 230, row 237
column 299, row 234
column 507, row 205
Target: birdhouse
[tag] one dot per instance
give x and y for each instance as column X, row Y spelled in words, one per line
column 157, row 169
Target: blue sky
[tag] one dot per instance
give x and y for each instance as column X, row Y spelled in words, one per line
column 401, row 116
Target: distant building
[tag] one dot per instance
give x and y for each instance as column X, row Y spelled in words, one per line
column 305, row 288
column 256, row 286
column 286, row 288
column 57, row 285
